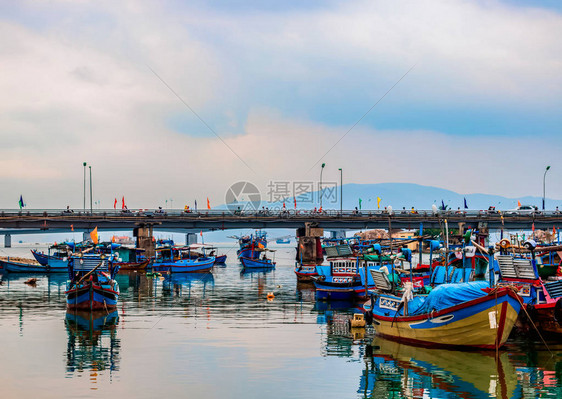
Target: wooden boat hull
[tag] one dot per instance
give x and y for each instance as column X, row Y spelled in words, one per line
column 18, row 267
column 132, row 265
column 546, row 317
column 92, row 296
column 257, row 263
column 184, row 266
column 485, row 322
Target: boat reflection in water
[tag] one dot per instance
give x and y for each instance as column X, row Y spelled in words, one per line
column 394, row 369
column 92, row 343
column 182, row 284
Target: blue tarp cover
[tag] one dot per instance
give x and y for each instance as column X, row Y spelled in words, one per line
column 447, row 295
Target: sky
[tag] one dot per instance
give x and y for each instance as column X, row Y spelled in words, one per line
column 176, row 101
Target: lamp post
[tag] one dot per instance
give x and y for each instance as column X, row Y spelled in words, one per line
column 91, row 208
column 321, row 191
column 544, row 186
column 341, row 191
column 84, row 186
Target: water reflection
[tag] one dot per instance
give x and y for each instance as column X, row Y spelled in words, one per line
column 92, row 343
column 200, row 329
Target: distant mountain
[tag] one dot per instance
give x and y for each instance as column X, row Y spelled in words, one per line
column 407, row 195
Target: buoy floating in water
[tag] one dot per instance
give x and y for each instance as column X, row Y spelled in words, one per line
column 270, row 295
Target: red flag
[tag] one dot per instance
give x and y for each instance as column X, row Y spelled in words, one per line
column 283, row 204
column 201, row 233
column 115, row 204
column 553, row 232
column 123, row 203
column 208, row 203
column 295, row 202
column 533, row 227
column 71, row 227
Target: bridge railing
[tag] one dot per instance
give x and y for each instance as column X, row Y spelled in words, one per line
column 268, row 213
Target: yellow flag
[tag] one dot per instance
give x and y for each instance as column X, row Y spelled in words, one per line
column 378, row 202
column 94, row 235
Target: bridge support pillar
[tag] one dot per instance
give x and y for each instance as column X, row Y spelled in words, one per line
column 190, row 238
column 8, row 241
column 309, row 246
column 145, row 240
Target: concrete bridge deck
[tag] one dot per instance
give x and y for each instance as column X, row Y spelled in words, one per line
column 59, row 220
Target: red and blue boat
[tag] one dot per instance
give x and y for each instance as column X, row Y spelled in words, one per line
column 92, row 284
column 258, row 263
column 172, row 260
column 250, row 245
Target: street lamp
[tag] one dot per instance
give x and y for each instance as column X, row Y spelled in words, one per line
column 84, row 186
column 321, row 191
column 341, row 191
column 91, row 208
column 544, row 186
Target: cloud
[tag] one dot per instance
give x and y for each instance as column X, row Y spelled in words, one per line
column 280, row 87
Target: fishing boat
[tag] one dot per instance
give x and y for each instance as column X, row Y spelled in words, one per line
column 58, row 260
column 128, row 258
column 305, row 272
column 221, row 259
column 199, row 251
column 92, row 284
column 171, row 259
column 542, row 297
column 249, row 245
column 259, row 263
column 13, row 266
column 344, row 278
column 283, row 240
column 468, row 315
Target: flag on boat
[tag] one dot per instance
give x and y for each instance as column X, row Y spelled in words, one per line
column 518, row 203
column 20, row 202
column 208, row 203
column 533, row 227
column 201, row 233
column 115, row 204
column 360, row 201
column 443, row 205
column 465, row 204
column 195, row 205
column 295, row 198
column 112, row 238
column 94, row 235
column 553, row 232
column 71, row 227
column 123, row 203
column 378, row 202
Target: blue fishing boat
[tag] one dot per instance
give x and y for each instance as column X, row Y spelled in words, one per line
column 92, row 284
column 12, row 266
column 221, row 259
column 345, row 278
column 249, row 263
column 453, row 315
column 250, row 245
column 172, row 260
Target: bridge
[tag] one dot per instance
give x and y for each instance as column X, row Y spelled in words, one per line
column 34, row 221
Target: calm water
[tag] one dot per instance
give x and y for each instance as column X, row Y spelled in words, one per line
column 218, row 336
